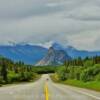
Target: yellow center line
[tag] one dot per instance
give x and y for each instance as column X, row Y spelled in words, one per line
column 46, row 92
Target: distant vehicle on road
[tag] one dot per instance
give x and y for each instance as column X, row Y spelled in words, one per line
column 47, row 79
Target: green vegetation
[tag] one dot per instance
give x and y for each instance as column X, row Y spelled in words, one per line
column 14, row 72
column 84, row 73
column 44, row 69
column 94, row 85
column 79, row 72
column 11, row 72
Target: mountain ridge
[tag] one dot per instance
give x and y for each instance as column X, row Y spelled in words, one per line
column 31, row 54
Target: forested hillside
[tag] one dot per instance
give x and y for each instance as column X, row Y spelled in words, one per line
column 15, row 72
column 82, row 73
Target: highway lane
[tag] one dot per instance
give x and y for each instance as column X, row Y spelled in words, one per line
column 36, row 91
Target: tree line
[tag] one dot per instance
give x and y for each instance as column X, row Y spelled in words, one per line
column 87, row 69
column 11, row 71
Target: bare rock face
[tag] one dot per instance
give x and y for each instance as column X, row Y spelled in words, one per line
column 54, row 57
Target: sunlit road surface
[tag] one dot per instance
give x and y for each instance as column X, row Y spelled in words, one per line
column 37, row 91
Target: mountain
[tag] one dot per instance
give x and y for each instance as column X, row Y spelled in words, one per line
column 57, row 46
column 29, row 54
column 54, row 56
column 75, row 53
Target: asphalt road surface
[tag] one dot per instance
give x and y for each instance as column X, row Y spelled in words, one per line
column 36, row 91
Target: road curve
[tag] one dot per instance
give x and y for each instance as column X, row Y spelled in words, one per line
column 36, row 91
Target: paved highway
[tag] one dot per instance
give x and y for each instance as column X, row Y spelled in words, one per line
column 36, row 91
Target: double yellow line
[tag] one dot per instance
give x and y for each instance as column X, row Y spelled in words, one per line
column 46, row 92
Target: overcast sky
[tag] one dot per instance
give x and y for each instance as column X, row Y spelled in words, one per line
column 69, row 22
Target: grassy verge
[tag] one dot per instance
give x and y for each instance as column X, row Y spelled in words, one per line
column 93, row 85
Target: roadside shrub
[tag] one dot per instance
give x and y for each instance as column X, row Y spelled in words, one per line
column 77, row 76
column 63, row 74
column 86, row 75
column 71, row 73
column 20, row 77
column 26, row 76
column 90, row 73
column 1, row 80
column 88, row 63
column 96, row 69
column 13, row 77
column 97, row 78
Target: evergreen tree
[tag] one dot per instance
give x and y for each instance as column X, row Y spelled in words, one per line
column 4, row 71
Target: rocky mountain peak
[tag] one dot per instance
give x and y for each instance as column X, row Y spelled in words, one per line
column 54, row 56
